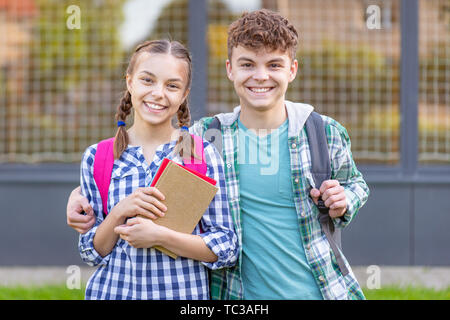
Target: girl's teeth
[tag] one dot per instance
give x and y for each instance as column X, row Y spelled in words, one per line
column 259, row 90
column 154, row 106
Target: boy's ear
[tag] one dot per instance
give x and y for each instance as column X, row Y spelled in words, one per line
column 229, row 73
column 293, row 70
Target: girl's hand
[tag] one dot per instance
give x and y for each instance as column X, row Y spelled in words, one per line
column 144, row 202
column 140, row 232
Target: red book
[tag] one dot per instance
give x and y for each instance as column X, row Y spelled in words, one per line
column 164, row 165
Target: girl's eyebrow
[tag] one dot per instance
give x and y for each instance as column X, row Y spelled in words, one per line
column 170, row 80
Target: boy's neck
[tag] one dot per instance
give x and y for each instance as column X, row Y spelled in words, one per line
column 253, row 118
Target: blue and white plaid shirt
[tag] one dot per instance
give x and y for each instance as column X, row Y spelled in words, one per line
column 130, row 273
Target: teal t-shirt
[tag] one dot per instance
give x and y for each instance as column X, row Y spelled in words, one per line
column 274, row 264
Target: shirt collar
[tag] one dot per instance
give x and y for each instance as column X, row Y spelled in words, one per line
column 297, row 114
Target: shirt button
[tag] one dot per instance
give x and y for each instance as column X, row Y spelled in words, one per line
column 228, row 165
column 321, row 278
column 303, row 214
column 293, row 146
column 296, row 180
column 308, row 247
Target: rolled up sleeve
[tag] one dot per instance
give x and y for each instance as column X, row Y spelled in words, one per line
column 219, row 234
column 345, row 171
column 89, row 189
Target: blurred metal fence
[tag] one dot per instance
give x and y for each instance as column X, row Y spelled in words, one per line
column 434, row 85
column 62, row 65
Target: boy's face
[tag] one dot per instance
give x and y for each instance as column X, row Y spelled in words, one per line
column 261, row 78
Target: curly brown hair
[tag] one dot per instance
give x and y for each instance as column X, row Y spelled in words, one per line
column 263, row 29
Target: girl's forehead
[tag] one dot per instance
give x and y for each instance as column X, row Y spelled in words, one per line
column 161, row 64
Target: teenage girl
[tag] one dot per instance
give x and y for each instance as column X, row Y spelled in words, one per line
column 158, row 80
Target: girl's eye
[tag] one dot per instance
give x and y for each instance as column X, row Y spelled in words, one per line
column 173, row 86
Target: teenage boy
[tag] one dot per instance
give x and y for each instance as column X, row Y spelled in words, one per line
column 284, row 252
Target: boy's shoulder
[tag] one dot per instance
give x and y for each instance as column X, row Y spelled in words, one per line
column 333, row 127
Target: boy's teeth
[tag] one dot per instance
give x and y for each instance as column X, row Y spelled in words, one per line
column 258, row 90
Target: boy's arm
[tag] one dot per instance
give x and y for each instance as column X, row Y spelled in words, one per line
column 344, row 170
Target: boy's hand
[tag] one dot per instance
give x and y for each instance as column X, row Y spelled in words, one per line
column 76, row 205
column 333, row 196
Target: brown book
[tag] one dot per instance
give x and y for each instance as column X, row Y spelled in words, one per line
column 187, row 196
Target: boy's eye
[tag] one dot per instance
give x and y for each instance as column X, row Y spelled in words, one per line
column 246, row 65
column 275, row 65
column 148, row 80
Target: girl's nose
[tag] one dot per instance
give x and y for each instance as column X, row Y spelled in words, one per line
column 156, row 92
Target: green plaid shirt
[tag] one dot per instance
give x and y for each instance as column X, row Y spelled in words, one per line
column 227, row 283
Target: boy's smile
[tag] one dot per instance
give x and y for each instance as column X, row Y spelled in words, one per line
column 261, row 77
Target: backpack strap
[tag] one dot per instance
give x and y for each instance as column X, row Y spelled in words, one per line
column 195, row 164
column 321, row 171
column 103, row 165
column 213, row 134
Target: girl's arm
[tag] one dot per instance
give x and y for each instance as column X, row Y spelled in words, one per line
column 217, row 246
column 143, row 201
column 144, row 233
column 219, row 234
column 90, row 191
column 98, row 242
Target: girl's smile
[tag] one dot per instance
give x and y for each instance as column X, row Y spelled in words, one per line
column 154, row 107
column 158, row 87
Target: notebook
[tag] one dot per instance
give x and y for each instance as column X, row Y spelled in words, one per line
column 187, row 196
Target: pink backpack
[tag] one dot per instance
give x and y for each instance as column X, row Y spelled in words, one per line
column 104, row 161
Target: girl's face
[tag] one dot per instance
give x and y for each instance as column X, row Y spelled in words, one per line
column 158, row 86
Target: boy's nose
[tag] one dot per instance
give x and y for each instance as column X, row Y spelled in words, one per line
column 261, row 74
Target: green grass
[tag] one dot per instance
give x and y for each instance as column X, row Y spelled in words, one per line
column 49, row 292
column 407, row 293
column 60, row 292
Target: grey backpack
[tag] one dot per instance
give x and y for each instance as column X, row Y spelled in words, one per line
column 320, row 169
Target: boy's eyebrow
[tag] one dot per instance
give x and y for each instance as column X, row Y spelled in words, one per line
column 276, row 60
column 170, row 80
column 244, row 59
column 251, row 60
